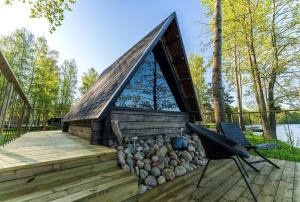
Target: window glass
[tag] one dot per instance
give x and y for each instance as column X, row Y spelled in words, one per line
column 148, row 89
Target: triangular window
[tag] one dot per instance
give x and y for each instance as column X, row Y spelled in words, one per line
column 148, row 89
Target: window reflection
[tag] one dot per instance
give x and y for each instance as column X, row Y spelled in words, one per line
column 148, row 89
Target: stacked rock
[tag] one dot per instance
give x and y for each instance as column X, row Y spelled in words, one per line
column 155, row 162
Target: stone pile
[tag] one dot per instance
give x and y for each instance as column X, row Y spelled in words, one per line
column 155, row 162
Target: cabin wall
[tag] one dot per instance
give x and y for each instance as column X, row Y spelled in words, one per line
column 80, row 129
column 149, row 123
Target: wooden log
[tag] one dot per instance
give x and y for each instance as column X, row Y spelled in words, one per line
column 116, row 131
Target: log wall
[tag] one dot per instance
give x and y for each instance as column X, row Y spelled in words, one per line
column 145, row 123
column 80, row 129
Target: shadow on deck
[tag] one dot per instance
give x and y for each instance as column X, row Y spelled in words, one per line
column 223, row 182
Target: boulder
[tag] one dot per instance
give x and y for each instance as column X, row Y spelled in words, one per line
column 187, row 156
column 168, row 174
column 161, row 180
column 155, row 171
column 143, row 173
column 150, row 181
column 139, row 163
column 121, row 158
column 162, row 151
column 180, row 170
column 154, row 158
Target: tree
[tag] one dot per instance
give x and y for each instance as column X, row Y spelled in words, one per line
column 198, row 71
column 88, row 79
column 19, row 50
column 217, row 85
column 68, row 84
column 52, row 10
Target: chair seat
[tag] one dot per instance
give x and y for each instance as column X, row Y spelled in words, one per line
column 266, row 146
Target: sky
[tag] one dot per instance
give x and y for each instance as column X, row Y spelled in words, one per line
column 97, row 32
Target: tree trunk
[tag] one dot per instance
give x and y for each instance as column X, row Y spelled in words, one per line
column 273, row 76
column 238, row 87
column 257, row 78
column 217, row 86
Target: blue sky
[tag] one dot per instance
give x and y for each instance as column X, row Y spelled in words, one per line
column 97, row 32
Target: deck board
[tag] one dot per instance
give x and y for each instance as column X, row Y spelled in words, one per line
column 224, row 183
column 46, row 146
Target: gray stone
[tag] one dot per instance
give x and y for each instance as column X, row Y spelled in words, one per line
column 154, row 158
column 187, row 156
column 146, row 147
column 130, row 162
column 137, row 170
column 150, row 181
column 139, row 163
column 173, row 163
column 139, row 149
column 162, row 151
column 173, row 156
column 158, row 164
column 139, row 156
column 155, row 171
column 180, row 170
column 168, row 174
column 169, row 147
column 147, row 167
column 121, row 158
column 143, row 173
column 155, row 147
column 161, row 180
column 165, row 161
column 142, row 188
column 191, row 148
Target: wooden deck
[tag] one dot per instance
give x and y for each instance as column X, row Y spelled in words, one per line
column 56, row 166
column 46, row 146
column 223, row 182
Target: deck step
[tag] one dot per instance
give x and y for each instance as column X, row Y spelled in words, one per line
column 114, row 185
column 32, row 170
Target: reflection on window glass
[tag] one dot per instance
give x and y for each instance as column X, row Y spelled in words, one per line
column 148, row 89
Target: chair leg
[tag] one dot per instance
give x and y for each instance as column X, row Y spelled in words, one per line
column 270, row 162
column 245, row 179
column 203, row 172
column 249, row 164
column 242, row 166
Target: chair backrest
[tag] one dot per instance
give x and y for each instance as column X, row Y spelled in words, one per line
column 217, row 146
column 233, row 132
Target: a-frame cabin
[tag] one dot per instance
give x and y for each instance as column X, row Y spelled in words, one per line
column 147, row 91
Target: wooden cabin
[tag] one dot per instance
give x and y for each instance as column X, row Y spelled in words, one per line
column 147, row 91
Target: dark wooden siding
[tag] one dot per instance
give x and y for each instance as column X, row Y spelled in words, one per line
column 80, row 129
column 143, row 123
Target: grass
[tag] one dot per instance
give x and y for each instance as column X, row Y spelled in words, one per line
column 285, row 151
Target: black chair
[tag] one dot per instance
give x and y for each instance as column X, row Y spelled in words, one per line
column 233, row 132
column 218, row 147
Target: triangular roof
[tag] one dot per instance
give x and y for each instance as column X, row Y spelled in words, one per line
column 112, row 80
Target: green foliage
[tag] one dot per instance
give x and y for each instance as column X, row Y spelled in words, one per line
column 88, row 79
column 46, row 84
column 284, row 152
column 52, row 10
column 198, row 71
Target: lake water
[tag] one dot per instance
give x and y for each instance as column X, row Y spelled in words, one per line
column 283, row 131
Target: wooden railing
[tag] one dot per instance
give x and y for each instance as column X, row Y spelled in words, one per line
column 14, row 105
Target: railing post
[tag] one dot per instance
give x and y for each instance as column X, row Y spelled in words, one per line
column 5, row 104
column 21, row 120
